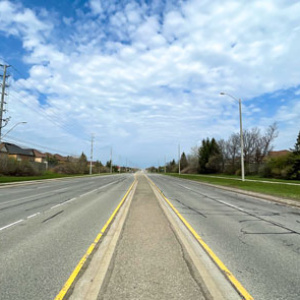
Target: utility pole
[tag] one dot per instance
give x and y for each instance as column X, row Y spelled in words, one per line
column 111, row 160
column 179, row 159
column 165, row 165
column 92, row 148
column 2, row 100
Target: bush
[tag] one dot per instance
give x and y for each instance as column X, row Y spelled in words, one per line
column 283, row 167
column 12, row 167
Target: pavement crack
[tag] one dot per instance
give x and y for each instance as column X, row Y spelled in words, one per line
column 191, row 208
column 53, row 216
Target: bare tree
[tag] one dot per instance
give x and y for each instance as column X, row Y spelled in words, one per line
column 251, row 139
column 233, row 149
column 224, row 153
column 264, row 145
column 193, row 159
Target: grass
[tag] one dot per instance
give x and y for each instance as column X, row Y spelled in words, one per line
column 281, row 189
column 47, row 175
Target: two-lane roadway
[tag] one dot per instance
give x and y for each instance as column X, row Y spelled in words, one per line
column 258, row 240
column 45, row 229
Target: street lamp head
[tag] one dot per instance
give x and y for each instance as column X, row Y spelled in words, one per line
column 222, row 93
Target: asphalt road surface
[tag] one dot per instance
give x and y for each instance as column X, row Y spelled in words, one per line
column 45, row 229
column 258, row 240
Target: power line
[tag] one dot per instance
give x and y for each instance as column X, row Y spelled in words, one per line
column 30, row 144
column 55, row 121
column 50, row 118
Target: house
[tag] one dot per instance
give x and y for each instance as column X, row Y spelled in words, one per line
column 60, row 158
column 16, row 152
column 39, row 156
column 278, row 153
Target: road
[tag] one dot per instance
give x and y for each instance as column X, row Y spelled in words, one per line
column 45, row 229
column 258, row 240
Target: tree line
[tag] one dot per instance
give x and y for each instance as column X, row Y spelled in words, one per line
column 224, row 156
column 70, row 165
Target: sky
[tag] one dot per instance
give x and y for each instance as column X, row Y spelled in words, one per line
column 144, row 76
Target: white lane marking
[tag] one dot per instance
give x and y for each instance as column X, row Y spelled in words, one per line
column 59, row 204
column 36, row 195
column 85, row 194
column 68, row 201
column 186, row 187
column 12, row 224
column 34, row 215
column 220, row 201
column 231, row 205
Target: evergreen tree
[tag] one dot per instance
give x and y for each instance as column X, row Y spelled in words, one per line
column 208, row 156
column 297, row 145
column 183, row 161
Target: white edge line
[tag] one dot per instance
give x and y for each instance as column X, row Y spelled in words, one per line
column 12, row 224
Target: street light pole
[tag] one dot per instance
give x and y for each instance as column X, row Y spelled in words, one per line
column 179, row 171
column 1, row 137
column 241, row 133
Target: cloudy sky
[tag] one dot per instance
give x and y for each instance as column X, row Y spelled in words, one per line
column 143, row 76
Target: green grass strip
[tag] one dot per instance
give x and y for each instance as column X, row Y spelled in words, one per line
column 9, row 179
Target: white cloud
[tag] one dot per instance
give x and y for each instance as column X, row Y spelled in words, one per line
column 156, row 77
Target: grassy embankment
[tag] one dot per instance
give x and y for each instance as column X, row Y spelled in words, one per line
column 274, row 187
column 47, row 175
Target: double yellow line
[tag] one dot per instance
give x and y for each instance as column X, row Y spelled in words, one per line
column 70, row 281
column 236, row 284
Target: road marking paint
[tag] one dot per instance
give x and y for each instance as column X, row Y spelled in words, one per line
column 35, row 195
column 81, row 263
column 57, row 205
column 236, row 284
column 231, row 205
column 12, row 224
column 220, row 201
column 34, row 215
column 70, row 200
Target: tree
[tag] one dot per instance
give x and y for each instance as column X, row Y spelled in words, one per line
column 224, row 153
column 183, row 161
column 82, row 164
column 294, row 172
column 209, row 156
column 52, row 160
column 263, row 145
column 108, row 164
column 234, row 147
column 296, row 150
column 172, row 167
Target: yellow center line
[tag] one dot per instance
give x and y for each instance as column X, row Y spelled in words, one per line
column 236, row 284
column 71, row 279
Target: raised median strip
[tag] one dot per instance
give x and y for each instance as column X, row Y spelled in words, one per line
column 145, row 255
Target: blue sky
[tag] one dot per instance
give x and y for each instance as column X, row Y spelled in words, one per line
column 143, row 76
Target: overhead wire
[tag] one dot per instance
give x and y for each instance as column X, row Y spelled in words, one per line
column 29, row 144
column 61, row 124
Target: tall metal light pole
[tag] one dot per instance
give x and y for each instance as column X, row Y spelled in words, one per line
column 91, row 158
column 241, row 133
column 1, row 137
column 110, row 161
column 179, row 171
